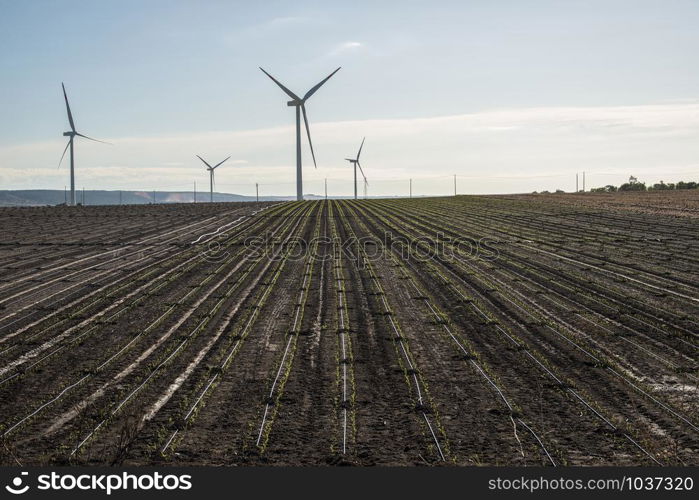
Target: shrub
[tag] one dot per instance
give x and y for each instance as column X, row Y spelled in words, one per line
column 661, row 186
column 633, row 185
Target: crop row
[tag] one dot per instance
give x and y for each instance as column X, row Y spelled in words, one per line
column 468, row 272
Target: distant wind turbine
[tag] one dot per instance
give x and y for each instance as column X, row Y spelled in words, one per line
column 355, row 162
column 211, row 169
column 72, row 133
column 300, row 104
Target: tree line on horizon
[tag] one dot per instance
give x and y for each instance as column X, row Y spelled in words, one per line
column 635, row 185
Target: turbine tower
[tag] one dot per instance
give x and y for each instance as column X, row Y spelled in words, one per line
column 355, row 162
column 300, row 104
column 72, row 133
column 211, row 176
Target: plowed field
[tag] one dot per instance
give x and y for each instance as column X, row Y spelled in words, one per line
column 522, row 330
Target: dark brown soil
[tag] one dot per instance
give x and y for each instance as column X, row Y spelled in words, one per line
column 570, row 338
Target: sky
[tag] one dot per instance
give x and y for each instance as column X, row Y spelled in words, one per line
column 509, row 96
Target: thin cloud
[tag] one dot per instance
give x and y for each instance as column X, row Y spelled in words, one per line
column 344, row 48
column 501, row 150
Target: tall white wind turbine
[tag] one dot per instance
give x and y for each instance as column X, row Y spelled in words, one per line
column 72, row 133
column 300, row 104
column 355, row 163
column 212, row 182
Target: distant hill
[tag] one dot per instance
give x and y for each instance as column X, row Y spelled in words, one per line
column 40, row 197
column 43, row 197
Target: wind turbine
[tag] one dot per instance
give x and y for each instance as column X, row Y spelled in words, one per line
column 72, row 133
column 211, row 175
column 355, row 162
column 300, row 104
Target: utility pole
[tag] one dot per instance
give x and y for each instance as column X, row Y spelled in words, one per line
column 411, row 188
column 454, row 184
column 583, row 181
column 257, row 192
column 120, row 197
column 65, row 195
column 576, row 182
column 195, row 191
column 326, row 189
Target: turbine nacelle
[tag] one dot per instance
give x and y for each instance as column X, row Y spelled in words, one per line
column 294, row 103
column 69, row 134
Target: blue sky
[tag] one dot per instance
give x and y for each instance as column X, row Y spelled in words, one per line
column 510, row 95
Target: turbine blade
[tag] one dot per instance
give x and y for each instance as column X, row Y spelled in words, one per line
column 64, row 152
column 202, row 159
column 316, row 87
column 219, row 163
column 286, row 91
column 308, row 132
column 96, row 140
column 360, row 148
column 362, row 171
column 70, row 115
